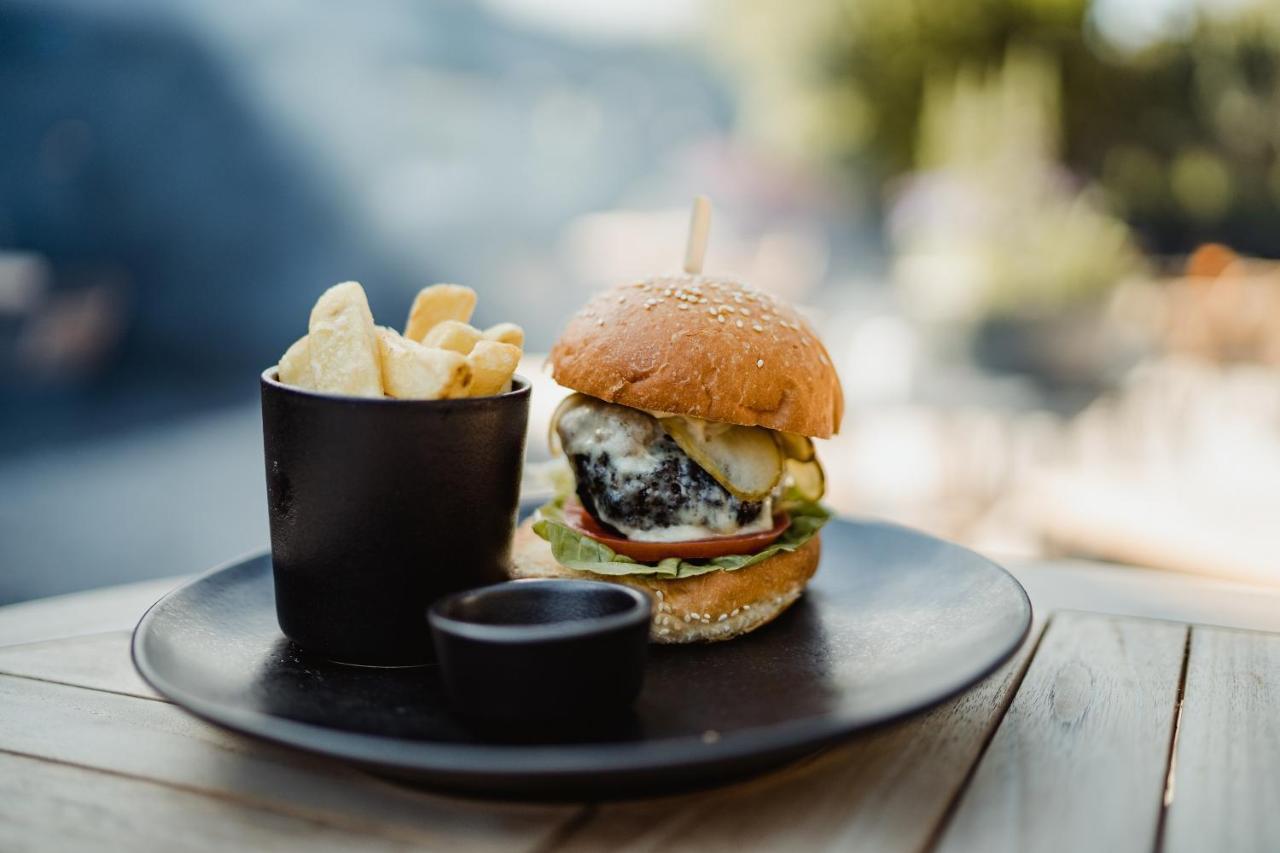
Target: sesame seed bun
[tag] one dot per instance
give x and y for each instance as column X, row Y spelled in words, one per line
column 714, row 606
column 702, row 346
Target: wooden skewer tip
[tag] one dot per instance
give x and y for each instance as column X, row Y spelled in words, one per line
column 699, row 228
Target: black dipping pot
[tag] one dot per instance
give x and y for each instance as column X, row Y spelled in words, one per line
column 380, row 507
column 542, row 650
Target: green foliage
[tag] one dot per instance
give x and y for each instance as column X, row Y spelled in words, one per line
column 1006, row 232
column 1181, row 134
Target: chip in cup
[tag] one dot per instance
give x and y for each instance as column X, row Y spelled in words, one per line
column 507, row 333
column 342, row 345
column 411, row 371
column 492, row 365
column 439, row 357
column 452, row 335
column 436, row 304
column 295, row 365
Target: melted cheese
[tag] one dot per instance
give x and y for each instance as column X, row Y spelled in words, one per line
column 688, row 532
column 643, row 484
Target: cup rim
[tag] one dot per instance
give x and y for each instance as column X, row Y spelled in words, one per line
column 512, row 635
column 520, row 387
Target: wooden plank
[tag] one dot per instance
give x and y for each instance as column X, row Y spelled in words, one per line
column 159, row 742
column 45, row 806
column 1079, row 761
column 1225, row 785
column 116, row 608
column 99, row 661
column 884, row 791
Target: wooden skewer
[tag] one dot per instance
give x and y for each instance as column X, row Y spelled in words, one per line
column 699, row 226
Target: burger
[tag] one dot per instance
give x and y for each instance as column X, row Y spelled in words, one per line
column 691, row 474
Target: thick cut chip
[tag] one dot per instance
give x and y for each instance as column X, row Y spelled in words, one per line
column 295, row 365
column 438, row 303
column 492, row 365
column 343, row 344
column 507, row 333
column 453, row 335
column 411, row 371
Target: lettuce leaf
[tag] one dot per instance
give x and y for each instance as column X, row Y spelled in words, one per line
column 578, row 551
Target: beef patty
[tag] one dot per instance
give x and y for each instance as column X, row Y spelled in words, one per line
column 633, row 477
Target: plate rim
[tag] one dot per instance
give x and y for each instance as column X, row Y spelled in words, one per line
column 548, row 762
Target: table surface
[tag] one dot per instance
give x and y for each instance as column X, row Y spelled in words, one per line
column 1142, row 713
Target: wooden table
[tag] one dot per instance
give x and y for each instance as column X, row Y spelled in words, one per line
column 1143, row 713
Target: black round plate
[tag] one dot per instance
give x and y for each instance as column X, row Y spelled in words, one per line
column 895, row 621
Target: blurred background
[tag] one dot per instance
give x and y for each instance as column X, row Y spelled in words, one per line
column 1033, row 233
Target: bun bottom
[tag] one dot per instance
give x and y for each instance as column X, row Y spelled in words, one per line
column 705, row 608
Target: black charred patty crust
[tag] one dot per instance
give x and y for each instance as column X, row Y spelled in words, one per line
column 672, row 490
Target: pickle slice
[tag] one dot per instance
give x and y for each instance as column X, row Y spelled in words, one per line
column 807, row 478
column 794, row 446
column 745, row 460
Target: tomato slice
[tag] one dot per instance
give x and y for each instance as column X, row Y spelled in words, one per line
column 694, row 549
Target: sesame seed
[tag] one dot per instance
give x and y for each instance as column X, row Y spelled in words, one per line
column 723, row 616
column 720, row 317
column 600, row 322
column 759, row 362
column 683, row 307
column 738, row 323
column 711, row 311
column 622, row 299
column 757, row 327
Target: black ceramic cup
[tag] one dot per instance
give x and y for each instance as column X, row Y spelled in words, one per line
column 538, row 651
column 379, row 507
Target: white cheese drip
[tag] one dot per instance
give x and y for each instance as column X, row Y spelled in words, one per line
column 686, row 532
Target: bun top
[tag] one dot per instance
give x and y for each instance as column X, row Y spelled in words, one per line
column 702, row 346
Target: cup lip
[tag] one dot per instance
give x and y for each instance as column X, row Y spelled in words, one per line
column 514, row 635
column 520, row 387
